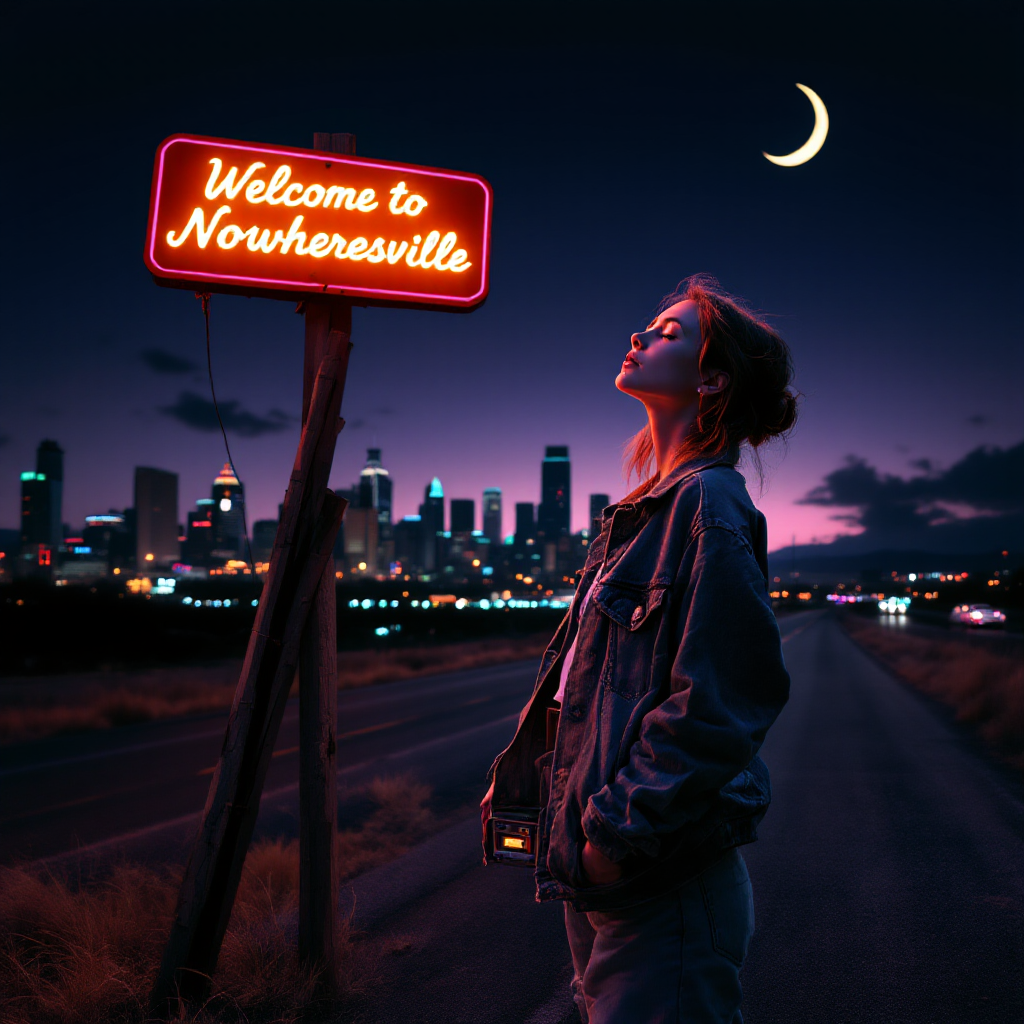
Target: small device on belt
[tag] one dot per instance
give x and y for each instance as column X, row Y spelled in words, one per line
column 513, row 836
column 512, row 831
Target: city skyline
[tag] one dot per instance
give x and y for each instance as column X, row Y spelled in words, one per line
column 1007, row 461
column 890, row 262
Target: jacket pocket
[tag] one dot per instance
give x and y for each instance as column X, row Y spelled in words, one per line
column 635, row 614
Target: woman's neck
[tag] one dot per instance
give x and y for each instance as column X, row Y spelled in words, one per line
column 669, row 427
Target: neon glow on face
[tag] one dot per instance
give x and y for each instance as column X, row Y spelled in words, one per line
column 224, row 213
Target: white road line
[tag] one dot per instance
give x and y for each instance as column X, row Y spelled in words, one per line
column 116, row 751
column 271, row 794
column 490, row 672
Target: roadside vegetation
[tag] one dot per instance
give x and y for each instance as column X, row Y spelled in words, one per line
column 983, row 685
column 36, row 706
column 88, row 954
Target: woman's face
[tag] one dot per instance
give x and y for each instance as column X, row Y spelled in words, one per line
column 662, row 365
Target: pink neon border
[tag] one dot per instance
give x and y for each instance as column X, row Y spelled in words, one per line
column 305, row 286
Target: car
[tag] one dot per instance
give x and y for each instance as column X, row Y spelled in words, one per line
column 976, row 615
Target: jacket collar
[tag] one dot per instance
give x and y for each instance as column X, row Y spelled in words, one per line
column 686, row 469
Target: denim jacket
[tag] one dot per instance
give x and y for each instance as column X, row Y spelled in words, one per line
column 677, row 675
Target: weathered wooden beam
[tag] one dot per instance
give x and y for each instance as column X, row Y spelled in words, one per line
column 318, row 787
column 318, row 695
column 303, row 546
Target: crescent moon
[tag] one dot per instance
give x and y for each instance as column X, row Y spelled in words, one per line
column 817, row 139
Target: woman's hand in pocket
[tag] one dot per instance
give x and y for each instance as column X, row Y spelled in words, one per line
column 597, row 869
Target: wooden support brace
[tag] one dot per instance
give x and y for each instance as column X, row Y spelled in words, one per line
column 303, row 546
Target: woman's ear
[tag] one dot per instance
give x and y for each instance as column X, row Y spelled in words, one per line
column 714, row 383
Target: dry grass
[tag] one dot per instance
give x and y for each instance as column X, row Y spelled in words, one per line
column 985, row 687
column 89, row 954
column 32, row 707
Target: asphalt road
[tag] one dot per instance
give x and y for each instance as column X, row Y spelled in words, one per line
column 888, row 879
column 138, row 789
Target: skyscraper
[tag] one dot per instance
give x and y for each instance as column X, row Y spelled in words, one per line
column 37, row 552
column 228, row 515
column 598, row 503
column 156, row 517
column 492, row 515
column 553, row 514
column 108, row 537
column 199, row 536
column 431, row 523
column 362, row 538
column 526, row 528
column 463, row 515
column 50, row 464
column 264, row 533
column 375, row 486
column 41, row 530
column 409, row 543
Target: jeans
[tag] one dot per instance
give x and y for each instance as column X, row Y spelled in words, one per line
column 671, row 960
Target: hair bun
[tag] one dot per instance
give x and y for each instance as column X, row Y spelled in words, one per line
column 775, row 417
column 786, row 413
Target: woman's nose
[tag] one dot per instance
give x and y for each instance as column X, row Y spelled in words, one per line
column 635, row 342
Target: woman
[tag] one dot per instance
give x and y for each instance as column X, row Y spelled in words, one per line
column 667, row 671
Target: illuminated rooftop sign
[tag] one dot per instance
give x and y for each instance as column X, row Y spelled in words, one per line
column 269, row 220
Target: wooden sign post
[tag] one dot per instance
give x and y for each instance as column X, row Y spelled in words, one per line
column 431, row 250
column 318, row 692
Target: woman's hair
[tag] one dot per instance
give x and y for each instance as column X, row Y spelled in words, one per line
column 757, row 403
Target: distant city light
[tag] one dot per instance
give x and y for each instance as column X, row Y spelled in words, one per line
column 225, row 504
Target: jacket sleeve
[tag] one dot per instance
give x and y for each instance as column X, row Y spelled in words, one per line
column 728, row 684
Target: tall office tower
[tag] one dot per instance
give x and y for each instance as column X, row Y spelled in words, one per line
column 264, row 532
column 492, row 515
column 37, row 552
column 156, row 518
column 50, row 464
column 526, row 528
column 41, row 531
column 107, row 536
column 553, row 514
column 432, row 524
column 409, row 543
column 228, row 515
column 375, row 486
column 463, row 513
column 199, row 537
column 598, row 503
column 362, row 540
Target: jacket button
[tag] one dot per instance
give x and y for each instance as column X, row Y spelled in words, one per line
column 638, row 614
column 575, row 710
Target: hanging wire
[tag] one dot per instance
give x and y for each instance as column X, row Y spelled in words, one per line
column 204, row 298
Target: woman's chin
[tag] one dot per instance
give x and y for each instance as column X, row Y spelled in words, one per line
column 622, row 382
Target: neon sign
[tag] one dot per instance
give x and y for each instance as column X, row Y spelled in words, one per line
column 270, row 220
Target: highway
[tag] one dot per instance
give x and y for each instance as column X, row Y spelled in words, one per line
column 888, row 878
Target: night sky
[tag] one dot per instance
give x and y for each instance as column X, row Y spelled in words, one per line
column 623, row 143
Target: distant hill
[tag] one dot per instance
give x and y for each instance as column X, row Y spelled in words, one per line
column 817, row 560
